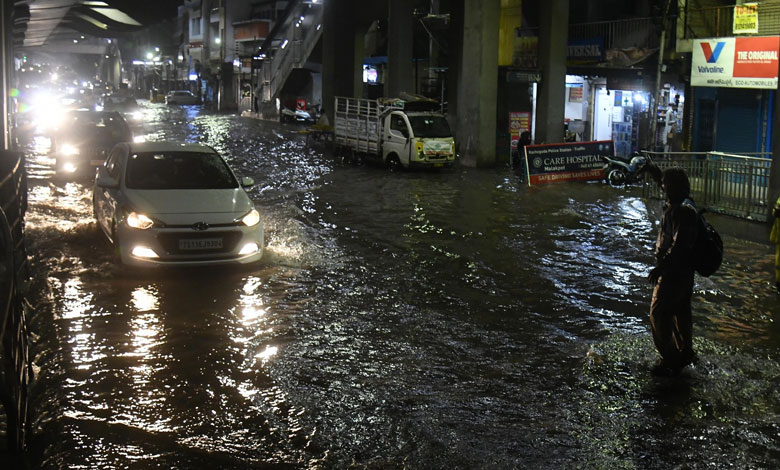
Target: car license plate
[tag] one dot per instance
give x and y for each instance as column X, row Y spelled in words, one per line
column 96, row 162
column 438, row 165
column 200, row 244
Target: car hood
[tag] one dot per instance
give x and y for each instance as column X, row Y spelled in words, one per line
column 178, row 206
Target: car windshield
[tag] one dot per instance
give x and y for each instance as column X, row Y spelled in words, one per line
column 97, row 126
column 178, row 170
column 430, row 126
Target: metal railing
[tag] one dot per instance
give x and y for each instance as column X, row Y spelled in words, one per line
column 735, row 185
column 14, row 352
column 619, row 34
column 710, row 22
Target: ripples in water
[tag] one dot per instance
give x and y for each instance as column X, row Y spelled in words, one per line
column 414, row 320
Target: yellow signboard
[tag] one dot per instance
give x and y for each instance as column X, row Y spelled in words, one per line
column 746, row 18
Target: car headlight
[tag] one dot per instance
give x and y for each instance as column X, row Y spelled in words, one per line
column 251, row 219
column 139, row 221
column 69, row 149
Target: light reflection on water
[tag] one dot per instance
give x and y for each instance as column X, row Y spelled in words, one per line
column 420, row 320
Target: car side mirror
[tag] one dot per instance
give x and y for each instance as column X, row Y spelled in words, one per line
column 247, row 182
column 103, row 180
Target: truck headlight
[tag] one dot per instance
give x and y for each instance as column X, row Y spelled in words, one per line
column 251, row 219
column 69, row 150
column 139, row 221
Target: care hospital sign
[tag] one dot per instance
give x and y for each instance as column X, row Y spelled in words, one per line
column 743, row 62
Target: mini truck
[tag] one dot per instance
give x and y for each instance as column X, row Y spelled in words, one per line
column 395, row 132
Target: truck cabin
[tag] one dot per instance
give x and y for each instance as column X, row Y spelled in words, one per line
column 423, row 126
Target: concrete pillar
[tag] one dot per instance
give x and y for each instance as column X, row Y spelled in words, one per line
column 359, row 53
column 400, row 72
column 478, row 83
column 455, row 40
column 554, row 25
column 337, row 53
column 6, row 58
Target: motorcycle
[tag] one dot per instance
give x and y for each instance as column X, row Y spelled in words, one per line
column 620, row 172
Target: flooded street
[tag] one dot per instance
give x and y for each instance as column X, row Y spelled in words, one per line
column 398, row 320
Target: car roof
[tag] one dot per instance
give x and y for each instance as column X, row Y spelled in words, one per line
column 169, row 146
column 92, row 112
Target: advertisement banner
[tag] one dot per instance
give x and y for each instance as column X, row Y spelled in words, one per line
column 749, row 62
column 746, row 18
column 518, row 122
column 575, row 161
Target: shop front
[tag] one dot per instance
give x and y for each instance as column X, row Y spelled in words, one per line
column 735, row 82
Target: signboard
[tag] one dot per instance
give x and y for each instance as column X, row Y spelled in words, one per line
column 518, row 122
column 585, row 51
column 746, row 18
column 576, row 161
column 575, row 92
column 749, row 62
column 525, row 54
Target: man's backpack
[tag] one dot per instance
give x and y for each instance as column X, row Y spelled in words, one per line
column 708, row 251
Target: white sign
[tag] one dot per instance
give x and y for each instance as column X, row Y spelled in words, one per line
column 743, row 62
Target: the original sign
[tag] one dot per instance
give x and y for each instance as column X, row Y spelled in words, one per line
column 749, row 62
column 576, row 161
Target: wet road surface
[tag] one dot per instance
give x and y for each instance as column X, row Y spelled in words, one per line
column 397, row 320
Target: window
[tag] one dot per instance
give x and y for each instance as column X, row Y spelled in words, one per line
column 195, row 27
column 178, row 170
column 430, row 126
column 114, row 162
column 397, row 123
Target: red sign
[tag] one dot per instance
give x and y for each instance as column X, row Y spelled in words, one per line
column 518, row 122
column 756, row 57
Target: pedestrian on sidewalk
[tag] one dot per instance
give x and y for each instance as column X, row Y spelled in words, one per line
column 671, row 320
column 774, row 237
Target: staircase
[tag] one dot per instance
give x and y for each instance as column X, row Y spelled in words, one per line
column 289, row 45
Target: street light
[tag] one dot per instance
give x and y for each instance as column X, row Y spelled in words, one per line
column 149, row 55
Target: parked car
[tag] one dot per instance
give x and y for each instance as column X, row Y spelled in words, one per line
column 124, row 104
column 181, row 97
column 83, row 138
column 175, row 204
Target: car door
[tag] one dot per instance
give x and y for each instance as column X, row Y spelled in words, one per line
column 397, row 139
column 106, row 197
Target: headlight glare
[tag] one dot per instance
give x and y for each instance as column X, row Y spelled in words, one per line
column 144, row 252
column 251, row 219
column 69, row 149
column 139, row 221
column 249, row 248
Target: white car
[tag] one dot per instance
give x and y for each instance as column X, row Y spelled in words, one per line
column 175, row 204
column 181, row 97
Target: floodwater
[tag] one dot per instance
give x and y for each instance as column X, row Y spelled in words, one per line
column 446, row 320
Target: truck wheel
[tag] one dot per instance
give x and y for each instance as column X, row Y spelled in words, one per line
column 347, row 156
column 394, row 163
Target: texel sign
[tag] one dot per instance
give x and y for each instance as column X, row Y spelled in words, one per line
column 576, row 161
column 749, row 62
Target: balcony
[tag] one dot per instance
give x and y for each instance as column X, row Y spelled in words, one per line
column 620, row 34
column 623, row 42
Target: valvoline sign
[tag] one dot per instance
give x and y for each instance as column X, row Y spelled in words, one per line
column 749, row 62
